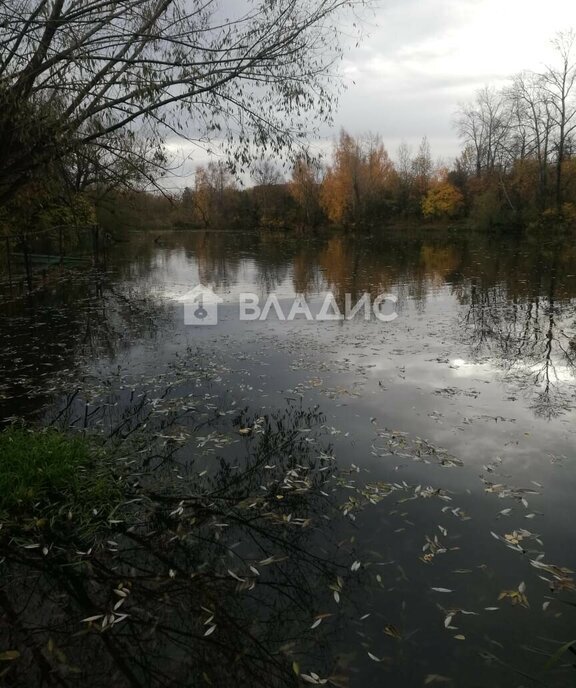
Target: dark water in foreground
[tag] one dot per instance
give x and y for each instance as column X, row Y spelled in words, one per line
column 464, row 407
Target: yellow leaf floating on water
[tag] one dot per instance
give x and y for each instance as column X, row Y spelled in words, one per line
column 517, row 597
column 393, row 632
column 514, row 538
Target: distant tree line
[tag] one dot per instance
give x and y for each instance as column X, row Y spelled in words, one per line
column 360, row 187
column 517, row 168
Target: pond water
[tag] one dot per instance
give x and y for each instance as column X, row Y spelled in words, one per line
column 461, row 411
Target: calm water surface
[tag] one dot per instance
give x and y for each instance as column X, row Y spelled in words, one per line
column 466, row 403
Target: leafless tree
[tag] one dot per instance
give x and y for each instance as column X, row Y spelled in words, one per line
column 533, row 124
column 485, row 126
column 559, row 84
column 423, row 167
column 266, row 173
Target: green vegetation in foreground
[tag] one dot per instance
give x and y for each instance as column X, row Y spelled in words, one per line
column 51, row 474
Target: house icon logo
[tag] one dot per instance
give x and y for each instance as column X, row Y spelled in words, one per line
column 201, row 306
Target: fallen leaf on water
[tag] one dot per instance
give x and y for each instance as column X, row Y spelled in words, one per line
column 393, row 632
column 436, row 678
column 374, row 658
column 314, row 679
column 515, row 596
column 92, row 618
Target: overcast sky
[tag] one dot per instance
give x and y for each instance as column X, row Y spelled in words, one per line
column 421, row 58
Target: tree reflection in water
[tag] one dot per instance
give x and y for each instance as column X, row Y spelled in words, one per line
column 199, row 579
column 531, row 337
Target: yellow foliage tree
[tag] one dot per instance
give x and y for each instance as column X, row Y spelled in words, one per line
column 443, row 201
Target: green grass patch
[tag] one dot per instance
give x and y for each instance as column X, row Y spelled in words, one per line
column 51, row 475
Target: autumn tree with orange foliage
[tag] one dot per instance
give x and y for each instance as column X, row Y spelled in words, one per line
column 357, row 186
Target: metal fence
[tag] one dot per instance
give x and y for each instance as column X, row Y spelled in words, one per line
column 29, row 256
